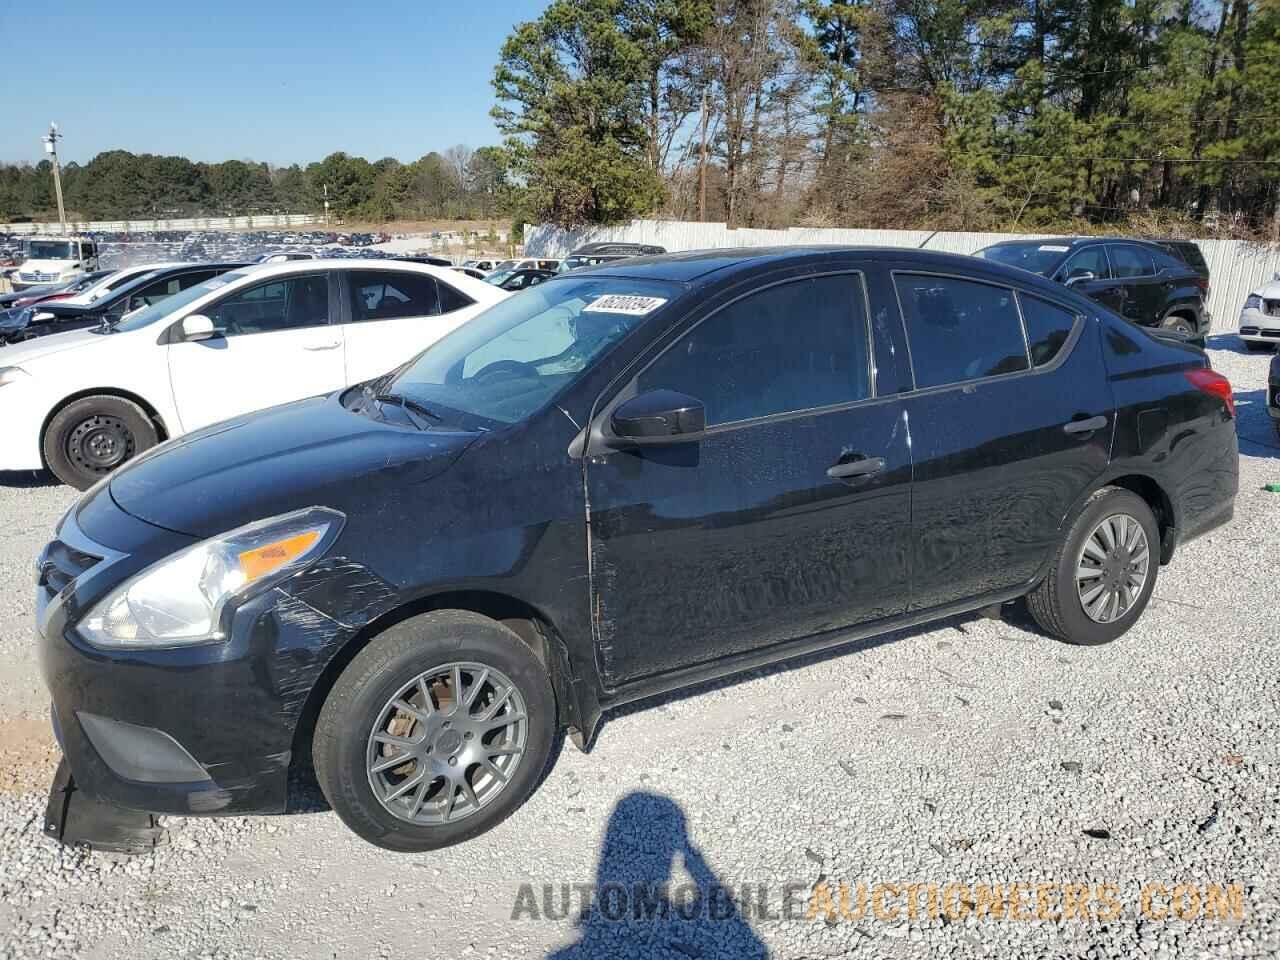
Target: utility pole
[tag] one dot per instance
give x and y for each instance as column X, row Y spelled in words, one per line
column 702, row 164
column 51, row 147
column 326, row 204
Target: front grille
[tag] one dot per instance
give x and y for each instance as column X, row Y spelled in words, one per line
column 36, row 276
column 1272, row 307
column 1248, row 331
column 60, row 564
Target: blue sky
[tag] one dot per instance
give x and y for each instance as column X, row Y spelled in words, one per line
column 281, row 82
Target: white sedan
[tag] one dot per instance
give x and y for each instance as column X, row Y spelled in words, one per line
column 1260, row 317
column 82, row 403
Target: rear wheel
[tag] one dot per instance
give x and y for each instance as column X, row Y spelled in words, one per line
column 89, row 438
column 436, row 732
column 1179, row 323
column 1103, row 574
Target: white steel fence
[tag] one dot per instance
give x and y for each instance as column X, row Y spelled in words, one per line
column 263, row 222
column 1236, row 267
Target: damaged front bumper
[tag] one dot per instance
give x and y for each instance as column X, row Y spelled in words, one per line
column 76, row 820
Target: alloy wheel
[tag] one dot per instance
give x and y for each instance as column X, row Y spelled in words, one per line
column 1112, row 568
column 447, row 743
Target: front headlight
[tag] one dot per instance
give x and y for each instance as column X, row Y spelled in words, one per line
column 1253, row 302
column 12, row 375
column 179, row 601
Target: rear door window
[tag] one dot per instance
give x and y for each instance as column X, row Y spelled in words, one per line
column 1128, row 261
column 387, row 295
column 960, row 330
column 1090, row 260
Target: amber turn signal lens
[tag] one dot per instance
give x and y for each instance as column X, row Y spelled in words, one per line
column 270, row 557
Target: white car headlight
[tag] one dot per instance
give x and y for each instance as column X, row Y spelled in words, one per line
column 179, row 601
column 1253, row 302
column 12, row 375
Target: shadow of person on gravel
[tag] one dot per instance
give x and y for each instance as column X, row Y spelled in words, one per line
column 639, row 908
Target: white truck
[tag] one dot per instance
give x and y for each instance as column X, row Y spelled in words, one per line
column 54, row 260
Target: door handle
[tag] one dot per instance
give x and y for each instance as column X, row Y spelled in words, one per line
column 856, row 468
column 1085, row 426
column 328, row 345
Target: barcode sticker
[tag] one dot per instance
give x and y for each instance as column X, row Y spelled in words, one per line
column 1053, row 248
column 621, row 303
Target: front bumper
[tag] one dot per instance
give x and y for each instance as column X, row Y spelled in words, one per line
column 1259, row 327
column 203, row 730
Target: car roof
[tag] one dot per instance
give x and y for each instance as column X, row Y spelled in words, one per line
column 456, row 278
column 1074, row 242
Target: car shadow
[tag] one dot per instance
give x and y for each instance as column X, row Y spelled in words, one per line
column 1013, row 612
column 1229, row 342
column 1255, row 428
column 637, row 906
column 28, row 479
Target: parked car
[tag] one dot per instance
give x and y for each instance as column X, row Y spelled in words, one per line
column 33, row 295
column 593, row 254
column 284, row 256
column 146, row 289
column 1189, row 252
column 526, row 263
column 483, row 265
column 54, row 260
column 425, row 258
column 1273, row 393
column 86, row 402
column 1260, row 317
column 471, row 272
column 620, row 482
column 1139, row 280
column 512, row 280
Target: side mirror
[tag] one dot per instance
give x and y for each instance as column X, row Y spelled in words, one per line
column 197, row 326
column 659, row 416
column 1082, row 277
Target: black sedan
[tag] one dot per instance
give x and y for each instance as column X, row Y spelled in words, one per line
column 626, row 480
column 519, row 279
column 25, row 298
column 1141, row 281
column 42, row 319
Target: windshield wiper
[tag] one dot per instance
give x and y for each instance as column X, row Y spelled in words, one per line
column 410, row 407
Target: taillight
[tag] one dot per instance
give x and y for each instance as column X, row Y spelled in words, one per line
column 1215, row 385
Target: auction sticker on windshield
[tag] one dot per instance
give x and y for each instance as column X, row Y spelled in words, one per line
column 621, row 303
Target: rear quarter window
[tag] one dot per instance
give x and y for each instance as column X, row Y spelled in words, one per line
column 1048, row 328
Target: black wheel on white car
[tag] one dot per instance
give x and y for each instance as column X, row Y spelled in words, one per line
column 90, row 437
column 1103, row 574
column 435, row 732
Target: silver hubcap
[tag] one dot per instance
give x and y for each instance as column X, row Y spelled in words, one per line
column 1112, row 568
column 447, row 743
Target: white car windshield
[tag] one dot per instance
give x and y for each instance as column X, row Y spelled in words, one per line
column 163, row 308
column 49, row 250
column 514, row 358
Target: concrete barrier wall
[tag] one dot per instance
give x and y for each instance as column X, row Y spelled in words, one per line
column 1236, row 267
column 265, row 222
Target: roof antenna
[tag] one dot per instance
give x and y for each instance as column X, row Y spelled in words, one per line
column 925, row 242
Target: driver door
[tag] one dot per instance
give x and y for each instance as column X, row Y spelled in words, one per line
column 275, row 345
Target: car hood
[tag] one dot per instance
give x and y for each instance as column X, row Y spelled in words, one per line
column 309, row 453
column 20, row 354
column 1271, row 291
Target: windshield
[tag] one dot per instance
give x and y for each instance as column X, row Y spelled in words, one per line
column 50, row 250
column 498, row 276
column 511, row 360
column 1039, row 258
column 163, row 308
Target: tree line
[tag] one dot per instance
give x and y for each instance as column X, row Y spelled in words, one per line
column 943, row 114
column 460, row 183
column 1065, row 115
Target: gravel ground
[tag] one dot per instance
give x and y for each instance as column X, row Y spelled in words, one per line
column 974, row 752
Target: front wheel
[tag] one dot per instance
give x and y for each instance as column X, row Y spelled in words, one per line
column 1180, row 324
column 1103, row 574
column 436, row 732
column 90, row 437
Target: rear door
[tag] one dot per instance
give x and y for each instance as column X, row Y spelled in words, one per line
column 1134, row 267
column 789, row 517
column 1009, row 426
column 276, row 345
column 1102, row 286
column 390, row 316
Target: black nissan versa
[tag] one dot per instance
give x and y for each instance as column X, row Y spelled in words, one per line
column 622, row 481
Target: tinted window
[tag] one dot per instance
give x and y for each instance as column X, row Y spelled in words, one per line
column 1090, row 260
column 960, row 330
column 189, row 280
column 795, row 346
column 1037, row 257
column 154, row 292
column 1129, row 261
column 1048, row 328
column 451, row 299
column 290, row 303
column 383, row 295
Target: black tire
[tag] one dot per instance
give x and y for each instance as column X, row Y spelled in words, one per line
column 90, row 437
column 1179, row 323
column 341, row 745
column 1056, row 603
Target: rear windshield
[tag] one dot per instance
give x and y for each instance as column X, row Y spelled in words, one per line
column 1040, row 257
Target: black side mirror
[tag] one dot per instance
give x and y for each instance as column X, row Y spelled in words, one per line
column 659, row 416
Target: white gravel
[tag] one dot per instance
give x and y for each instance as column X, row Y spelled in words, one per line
column 976, row 751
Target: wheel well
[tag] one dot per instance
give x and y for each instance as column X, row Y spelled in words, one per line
column 534, row 629
column 162, row 432
column 1160, row 505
